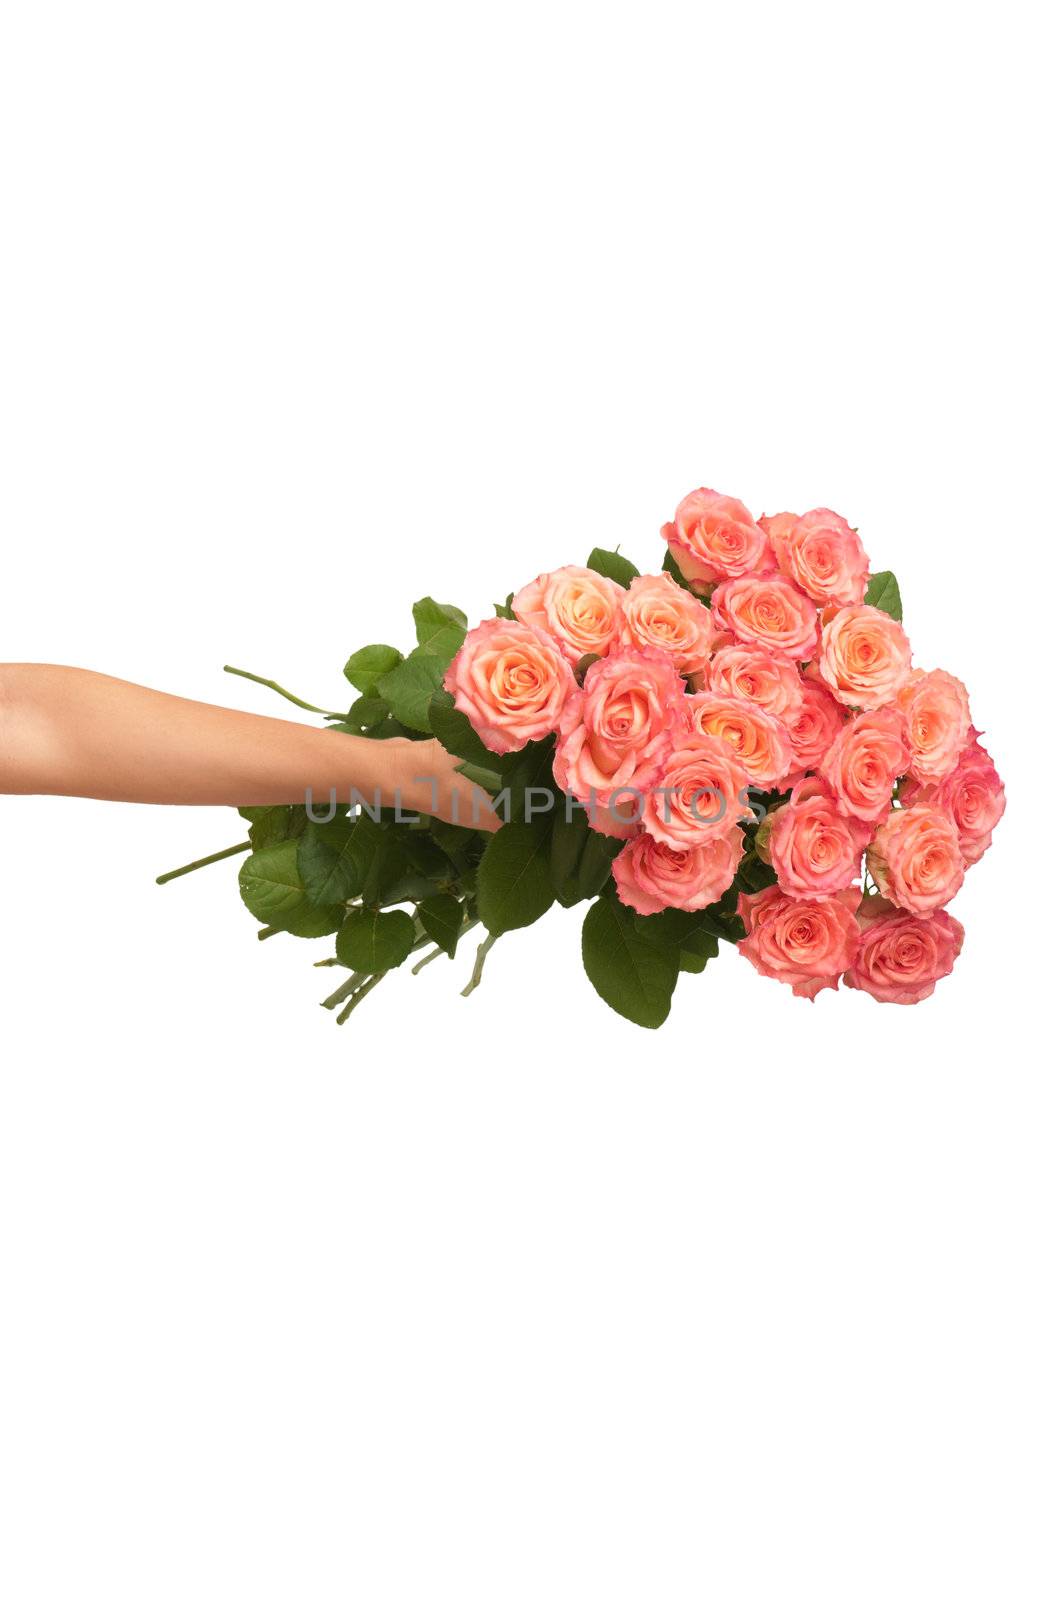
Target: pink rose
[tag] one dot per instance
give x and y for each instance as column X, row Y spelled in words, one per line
column 915, row 859
column 578, row 608
column 754, row 674
column 759, row 741
column 864, row 657
column 512, row 682
column 821, row 554
column 657, row 612
column 865, row 761
column 769, row 612
column 901, row 957
column 814, row 726
column 699, row 793
column 814, row 849
column 937, row 720
column 805, row 943
column 617, row 730
column 714, row 537
column 972, row 795
column 651, row 876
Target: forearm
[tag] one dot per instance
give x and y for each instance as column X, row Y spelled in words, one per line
column 67, row 731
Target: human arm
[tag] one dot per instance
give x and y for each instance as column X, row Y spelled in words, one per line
column 67, row 731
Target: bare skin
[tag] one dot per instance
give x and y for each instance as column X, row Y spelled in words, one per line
column 67, row 731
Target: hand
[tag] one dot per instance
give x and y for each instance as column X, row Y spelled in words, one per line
column 422, row 776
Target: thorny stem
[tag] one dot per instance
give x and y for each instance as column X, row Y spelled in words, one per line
column 204, row 861
column 268, row 683
column 478, row 970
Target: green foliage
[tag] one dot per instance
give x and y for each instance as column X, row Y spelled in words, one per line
column 441, row 917
column 334, row 859
column 611, row 564
column 272, row 890
column 408, row 689
column 368, row 665
column 884, row 591
column 689, row 933
column 567, row 841
column 273, row 824
column 440, row 629
column 375, row 941
column 456, row 733
column 596, row 863
column 513, row 883
column 634, row 972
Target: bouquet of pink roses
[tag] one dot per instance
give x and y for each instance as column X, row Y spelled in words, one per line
column 737, row 747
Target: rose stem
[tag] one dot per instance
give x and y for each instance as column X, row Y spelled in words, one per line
column 478, row 969
column 343, row 991
column 357, row 998
column 205, row 861
column 268, row 683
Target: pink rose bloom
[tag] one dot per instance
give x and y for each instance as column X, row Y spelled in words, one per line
column 714, row 537
column 578, row 608
column 769, row 612
column 915, row 859
column 754, row 674
column 805, row 943
column 778, row 529
column 699, row 793
column 972, row 795
column 814, row 849
column 864, row 657
column 901, row 957
column 821, row 554
column 814, row 727
column 865, row 761
column 937, row 720
column 656, row 612
column 512, row 682
column 759, row 741
column 651, row 876
column 616, row 731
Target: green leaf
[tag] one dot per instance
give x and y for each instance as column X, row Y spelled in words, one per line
column 375, row 941
column 687, row 932
column 441, row 630
column 441, row 918
column 365, row 712
column 634, row 974
column 754, row 875
column 513, row 883
column 368, row 665
column 584, row 665
column 506, row 610
column 884, row 591
column 457, row 735
column 333, row 859
column 596, row 863
column 272, row 891
column 409, row 688
column 530, row 768
column 273, row 824
column 611, row 564
column 567, row 841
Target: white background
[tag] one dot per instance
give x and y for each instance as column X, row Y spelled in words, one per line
column 306, row 312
